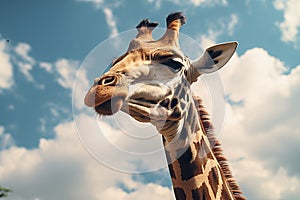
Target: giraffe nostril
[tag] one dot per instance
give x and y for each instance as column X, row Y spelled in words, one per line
column 174, row 103
column 110, row 80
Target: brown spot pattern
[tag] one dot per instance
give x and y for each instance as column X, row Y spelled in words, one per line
column 179, row 194
column 201, row 193
column 213, row 178
column 189, row 168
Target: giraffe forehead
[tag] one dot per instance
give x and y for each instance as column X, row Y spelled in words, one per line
column 145, row 56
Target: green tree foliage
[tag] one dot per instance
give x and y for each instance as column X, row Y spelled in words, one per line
column 4, row 192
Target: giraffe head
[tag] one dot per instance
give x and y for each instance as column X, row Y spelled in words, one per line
column 145, row 81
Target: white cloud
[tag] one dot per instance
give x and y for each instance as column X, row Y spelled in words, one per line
column 260, row 135
column 67, row 72
column 209, row 39
column 222, row 26
column 46, row 66
column 196, row 3
column 25, row 62
column 255, row 70
column 6, row 140
column 43, row 123
column 25, row 69
column 6, row 68
column 80, row 88
column 276, row 184
column 111, row 21
column 22, row 49
column 97, row 3
column 279, row 4
column 208, row 2
column 129, row 149
column 72, row 173
column 232, row 23
column 66, row 69
column 106, row 7
column 291, row 24
column 142, row 192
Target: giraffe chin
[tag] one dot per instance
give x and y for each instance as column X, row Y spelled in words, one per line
column 110, row 107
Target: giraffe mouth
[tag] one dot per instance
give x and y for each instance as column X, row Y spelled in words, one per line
column 110, row 107
column 151, row 110
column 105, row 100
column 144, row 102
column 147, row 110
column 139, row 108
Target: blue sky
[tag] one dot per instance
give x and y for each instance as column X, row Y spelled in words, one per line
column 43, row 43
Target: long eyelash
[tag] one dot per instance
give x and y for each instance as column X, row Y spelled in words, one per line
column 175, row 65
column 162, row 57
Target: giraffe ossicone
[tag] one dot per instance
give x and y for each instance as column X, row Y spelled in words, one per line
column 151, row 82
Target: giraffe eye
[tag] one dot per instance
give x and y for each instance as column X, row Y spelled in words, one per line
column 176, row 66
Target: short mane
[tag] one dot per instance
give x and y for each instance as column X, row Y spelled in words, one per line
column 216, row 148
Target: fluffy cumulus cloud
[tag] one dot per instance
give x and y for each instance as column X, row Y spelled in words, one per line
column 6, row 67
column 60, row 168
column 260, row 135
column 291, row 24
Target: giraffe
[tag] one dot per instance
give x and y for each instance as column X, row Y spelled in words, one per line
column 151, row 82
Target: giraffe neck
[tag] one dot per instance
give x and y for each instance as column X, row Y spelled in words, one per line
column 195, row 171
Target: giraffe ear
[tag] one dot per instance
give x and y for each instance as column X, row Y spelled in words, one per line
column 215, row 57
